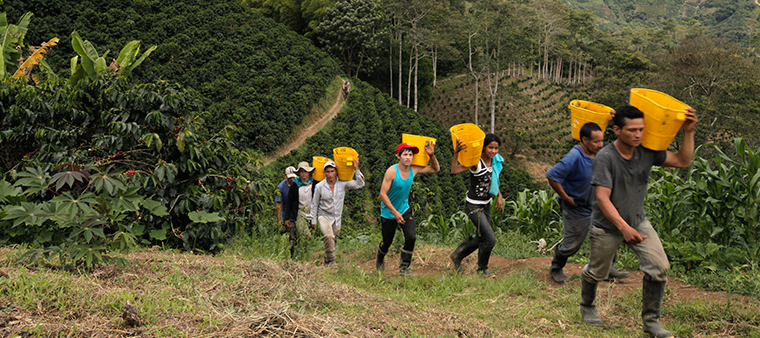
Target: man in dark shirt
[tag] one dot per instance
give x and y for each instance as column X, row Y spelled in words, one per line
column 621, row 173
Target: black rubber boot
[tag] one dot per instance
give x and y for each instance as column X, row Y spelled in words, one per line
column 484, row 255
column 380, row 260
column 330, row 252
column 555, row 271
column 588, row 309
column 651, row 301
column 463, row 250
column 406, row 260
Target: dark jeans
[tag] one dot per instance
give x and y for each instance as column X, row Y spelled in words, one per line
column 409, row 228
column 484, row 239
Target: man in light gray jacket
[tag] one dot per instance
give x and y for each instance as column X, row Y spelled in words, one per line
column 327, row 206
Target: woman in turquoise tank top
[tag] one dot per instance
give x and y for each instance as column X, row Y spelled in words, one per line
column 394, row 206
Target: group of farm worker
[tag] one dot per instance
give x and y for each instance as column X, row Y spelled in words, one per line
column 601, row 187
column 304, row 201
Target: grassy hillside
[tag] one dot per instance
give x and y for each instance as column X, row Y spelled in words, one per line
column 252, row 72
column 531, row 115
column 252, row 291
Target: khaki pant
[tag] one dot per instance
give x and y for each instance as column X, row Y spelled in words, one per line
column 300, row 234
column 330, row 230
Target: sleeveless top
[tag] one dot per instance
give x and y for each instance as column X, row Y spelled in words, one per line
column 398, row 194
column 480, row 184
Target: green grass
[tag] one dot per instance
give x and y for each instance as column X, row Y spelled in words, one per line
column 254, row 286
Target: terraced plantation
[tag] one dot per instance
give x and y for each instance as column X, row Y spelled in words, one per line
column 531, row 114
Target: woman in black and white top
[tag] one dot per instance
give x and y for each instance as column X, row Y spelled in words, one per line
column 478, row 205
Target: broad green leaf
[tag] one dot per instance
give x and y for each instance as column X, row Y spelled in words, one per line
column 66, row 178
column 204, row 217
column 8, row 190
column 138, row 229
column 128, row 54
column 155, row 207
column 159, row 234
column 26, row 213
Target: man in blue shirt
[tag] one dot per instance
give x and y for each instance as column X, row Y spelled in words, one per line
column 571, row 180
column 284, row 188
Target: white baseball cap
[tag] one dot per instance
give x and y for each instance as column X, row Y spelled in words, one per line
column 330, row 164
column 290, row 172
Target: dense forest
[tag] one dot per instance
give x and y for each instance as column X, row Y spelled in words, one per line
column 735, row 21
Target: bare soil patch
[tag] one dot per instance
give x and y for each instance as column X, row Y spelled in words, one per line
column 308, row 130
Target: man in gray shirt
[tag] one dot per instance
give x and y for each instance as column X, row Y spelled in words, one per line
column 620, row 178
column 327, row 206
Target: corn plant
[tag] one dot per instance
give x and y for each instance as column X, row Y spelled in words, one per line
column 536, row 214
column 715, row 204
column 455, row 228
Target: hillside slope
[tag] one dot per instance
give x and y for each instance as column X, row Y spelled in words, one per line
column 531, row 115
column 253, row 73
column 721, row 18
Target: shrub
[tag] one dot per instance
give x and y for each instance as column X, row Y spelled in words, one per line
column 155, row 131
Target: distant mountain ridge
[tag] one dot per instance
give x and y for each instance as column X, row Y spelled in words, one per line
column 727, row 19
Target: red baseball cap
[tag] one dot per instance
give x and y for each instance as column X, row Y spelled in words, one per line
column 415, row 150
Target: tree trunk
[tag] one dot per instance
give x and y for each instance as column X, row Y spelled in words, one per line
column 546, row 59
column 434, row 57
column 416, row 71
column 400, row 72
column 390, row 66
column 477, row 99
column 409, row 81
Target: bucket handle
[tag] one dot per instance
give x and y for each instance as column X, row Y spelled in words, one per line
column 680, row 117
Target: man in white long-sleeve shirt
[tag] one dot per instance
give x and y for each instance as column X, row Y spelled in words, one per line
column 327, row 206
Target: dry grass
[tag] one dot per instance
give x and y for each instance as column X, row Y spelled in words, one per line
column 185, row 295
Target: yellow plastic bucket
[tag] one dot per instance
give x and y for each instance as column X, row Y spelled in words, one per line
column 318, row 162
column 472, row 137
column 344, row 157
column 582, row 112
column 421, row 158
column 663, row 117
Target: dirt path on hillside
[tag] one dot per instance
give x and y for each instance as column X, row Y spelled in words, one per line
column 305, row 132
